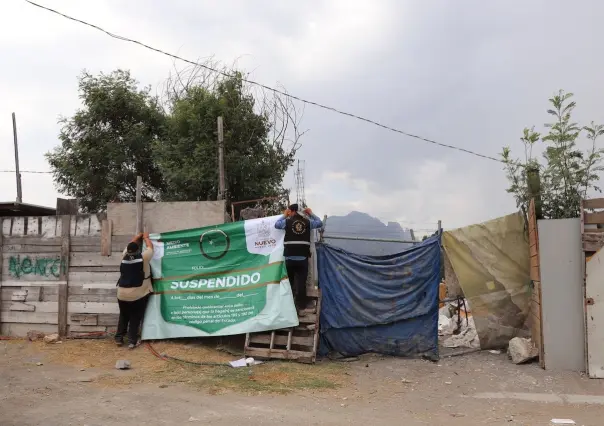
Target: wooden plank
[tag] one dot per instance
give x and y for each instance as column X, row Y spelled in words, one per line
column 80, row 290
column 308, row 319
column 15, row 283
column 96, row 298
column 85, row 249
column 108, row 319
column 95, row 226
column 85, row 319
column 34, row 294
column 86, row 241
column 271, row 340
column 63, row 288
column 106, row 238
column 18, row 226
column 94, row 278
column 594, row 218
column 22, row 307
column 594, row 203
column 73, row 307
column 6, row 226
column 21, row 329
column 28, row 317
column 299, row 356
column 84, row 298
column 76, row 330
column 33, row 224
column 265, row 339
column 290, row 336
column 49, row 227
column 77, row 269
column 593, row 230
column 30, row 248
column 82, row 225
column 37, row 241
column 89, row 259
column 17, row 296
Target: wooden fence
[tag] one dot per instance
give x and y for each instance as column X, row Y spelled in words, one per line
column 54, row 278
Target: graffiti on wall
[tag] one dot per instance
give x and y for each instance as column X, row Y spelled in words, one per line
column 20, row 266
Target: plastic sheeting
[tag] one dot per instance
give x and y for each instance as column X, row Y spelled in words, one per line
column 383, row 304
column 491, row 261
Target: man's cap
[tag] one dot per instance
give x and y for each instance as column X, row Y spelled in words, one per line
column 132, row 248
column 294, row 207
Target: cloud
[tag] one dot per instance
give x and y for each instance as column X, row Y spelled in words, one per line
column 435, row 191
column 470, row 74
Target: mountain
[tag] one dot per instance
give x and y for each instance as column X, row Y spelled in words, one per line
column 357, row 224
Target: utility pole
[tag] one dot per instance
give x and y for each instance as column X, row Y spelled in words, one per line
column 19, row 188
column 139, row 204
column 221, row 183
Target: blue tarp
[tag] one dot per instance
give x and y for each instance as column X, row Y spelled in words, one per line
column 384, row 304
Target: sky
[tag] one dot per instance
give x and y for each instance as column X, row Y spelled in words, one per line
column 467, row 73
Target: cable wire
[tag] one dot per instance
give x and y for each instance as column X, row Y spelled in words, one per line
column 25, row 171
column 272, row 89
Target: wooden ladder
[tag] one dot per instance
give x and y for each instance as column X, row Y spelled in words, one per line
column 297, row 343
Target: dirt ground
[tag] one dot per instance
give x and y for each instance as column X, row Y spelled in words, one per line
column 75, row 383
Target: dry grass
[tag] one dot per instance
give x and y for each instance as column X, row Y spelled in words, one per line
column 271, row 377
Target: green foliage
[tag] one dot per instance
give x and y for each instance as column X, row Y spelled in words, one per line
column 254, row 163
column 122, row 132
column 567, row 173
column 108, row 142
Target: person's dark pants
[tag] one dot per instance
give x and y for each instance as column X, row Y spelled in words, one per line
column 297, row 272
column 131, row 316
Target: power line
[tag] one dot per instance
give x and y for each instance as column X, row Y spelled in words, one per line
column 25, row 171
column 277, row 91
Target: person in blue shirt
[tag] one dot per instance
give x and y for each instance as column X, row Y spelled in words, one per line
column 296, row 250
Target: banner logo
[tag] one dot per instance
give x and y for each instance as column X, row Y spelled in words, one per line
column 264, row 238
column 214, row 244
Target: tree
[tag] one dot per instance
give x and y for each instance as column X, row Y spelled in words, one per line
column 567, row 174
column 261, row 137
column 109, row 142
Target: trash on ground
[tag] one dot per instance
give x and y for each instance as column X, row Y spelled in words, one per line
column 467, row 336
column 122, row 364
column 244, row 362
column 563, row 422
column 495, row 352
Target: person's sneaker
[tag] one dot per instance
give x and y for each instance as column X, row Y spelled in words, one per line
column 119, row 342
column 132, row 345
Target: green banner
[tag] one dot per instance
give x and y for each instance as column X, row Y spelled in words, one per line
column 219, row 280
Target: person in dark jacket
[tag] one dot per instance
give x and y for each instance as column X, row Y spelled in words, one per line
column 133, row 289
column 297, row 250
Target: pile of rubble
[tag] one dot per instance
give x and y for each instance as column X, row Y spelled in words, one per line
column 34, row 336
column 456, row 328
